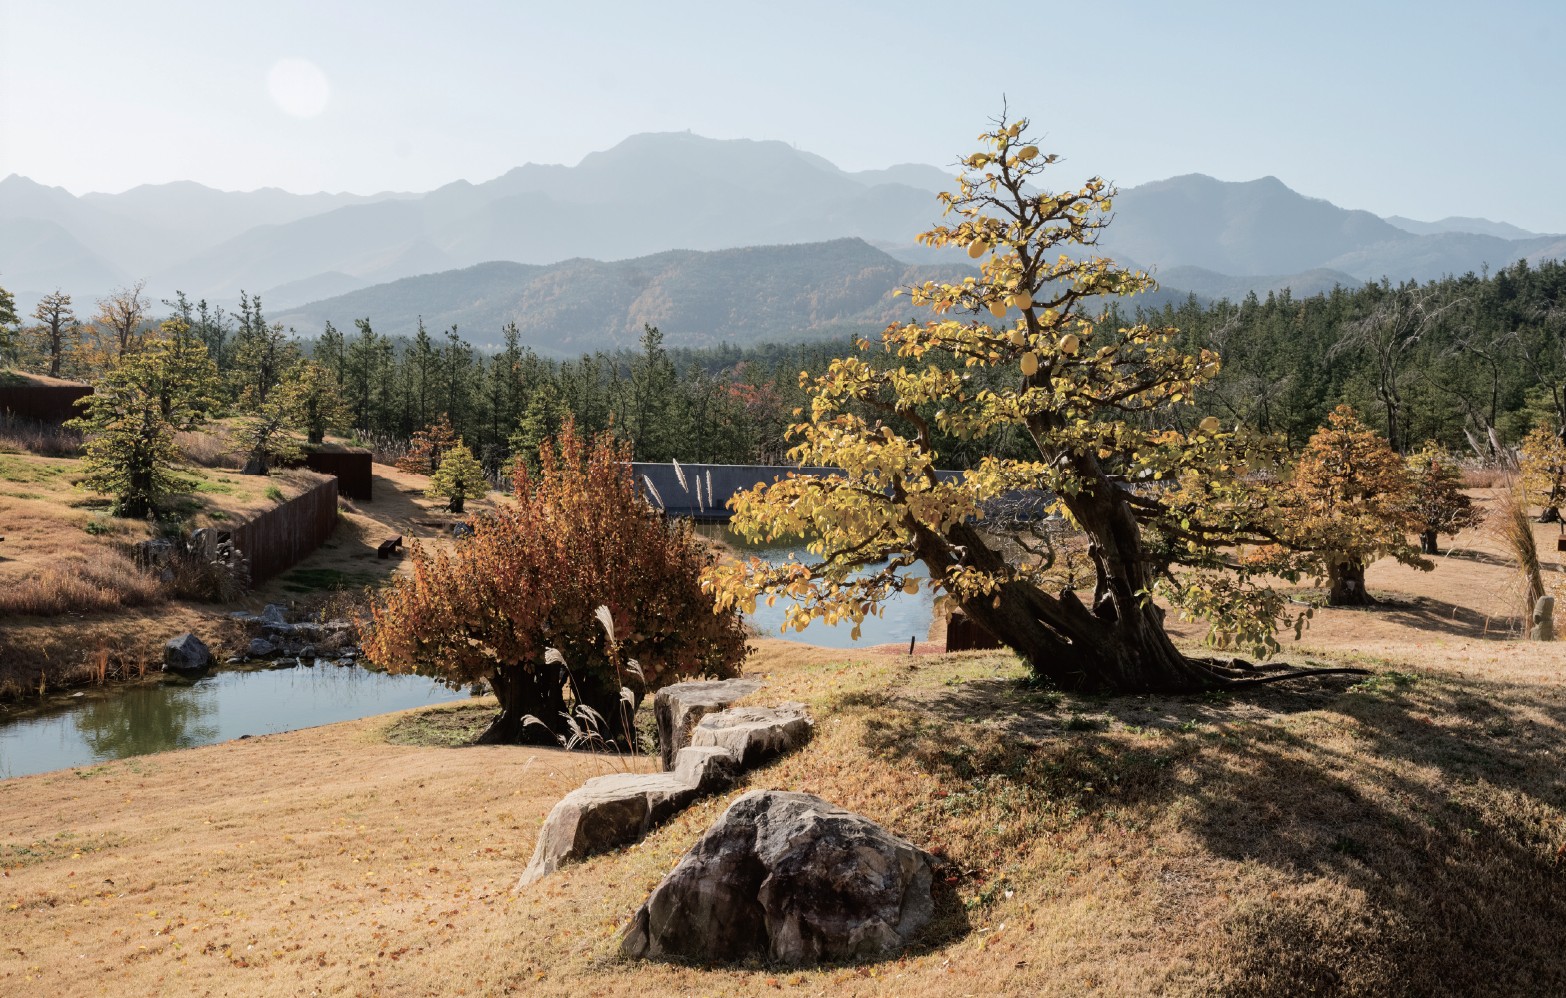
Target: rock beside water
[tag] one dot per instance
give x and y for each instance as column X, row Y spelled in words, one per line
column 186, row 653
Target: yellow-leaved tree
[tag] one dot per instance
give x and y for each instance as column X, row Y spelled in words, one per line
column 1542, row 458
column 1350, row 502
column 1015, row 354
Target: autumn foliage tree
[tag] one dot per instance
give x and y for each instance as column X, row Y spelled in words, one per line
column 1349, row 503
column 1099, row 406
column 1437, row 502
column 532, row 577
column 428, row 446
column 1542, row 458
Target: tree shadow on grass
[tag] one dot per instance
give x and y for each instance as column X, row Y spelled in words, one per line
column 1411, row 831
column 1442, row 617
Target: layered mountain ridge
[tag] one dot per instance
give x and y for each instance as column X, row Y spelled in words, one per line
column 659, row 193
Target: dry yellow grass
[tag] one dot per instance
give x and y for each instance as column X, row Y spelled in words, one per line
column 65, row 565
column 1400, row 836
column 1405, row 835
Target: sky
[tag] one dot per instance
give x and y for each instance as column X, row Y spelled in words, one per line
column 1421, row 109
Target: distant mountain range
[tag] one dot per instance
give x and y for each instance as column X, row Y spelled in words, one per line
column 758, row 293
column 641, row 202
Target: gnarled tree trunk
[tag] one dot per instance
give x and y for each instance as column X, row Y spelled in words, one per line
column 1346, row 584
column 1120, row 645
column 523, row 692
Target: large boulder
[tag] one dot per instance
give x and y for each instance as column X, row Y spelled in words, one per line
column 602, row 814
column 755, row 734
column 679, row 707
column 788, row 878
column 186, row 653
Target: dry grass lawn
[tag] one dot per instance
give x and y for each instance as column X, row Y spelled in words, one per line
column 72, row 602
column 1402, row 835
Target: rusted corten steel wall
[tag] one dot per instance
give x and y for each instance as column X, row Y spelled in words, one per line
column 279, row 538
column 45, row 403
column 352, row 468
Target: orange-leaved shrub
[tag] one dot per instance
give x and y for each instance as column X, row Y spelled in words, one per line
column 1349, row 503
column 531, row 578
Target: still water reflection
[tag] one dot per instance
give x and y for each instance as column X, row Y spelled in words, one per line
column 179, row 713
column 903, row 616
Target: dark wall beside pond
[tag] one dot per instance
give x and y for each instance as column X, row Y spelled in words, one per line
column 285, row 534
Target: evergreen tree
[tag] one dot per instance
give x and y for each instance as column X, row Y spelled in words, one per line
column 458, row 479
column 322, row 408
column 130, row 453
column 10, row 342
column 267, row 426
column 58, row 331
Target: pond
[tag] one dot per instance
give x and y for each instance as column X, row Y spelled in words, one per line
column 902, row 617
column 174, row 712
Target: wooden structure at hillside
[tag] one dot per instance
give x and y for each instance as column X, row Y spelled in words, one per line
column 285, row 534
column 350, row 465
column 42, row 398
column 702, row 492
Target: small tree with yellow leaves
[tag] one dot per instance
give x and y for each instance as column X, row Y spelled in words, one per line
column 1162, row 503
column 1542, row 458
column 458, row 479
column 1349, row 503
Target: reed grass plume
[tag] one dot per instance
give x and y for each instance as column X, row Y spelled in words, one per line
column 1514, row 527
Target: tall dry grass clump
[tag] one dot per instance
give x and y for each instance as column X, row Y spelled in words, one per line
column 208, row 449
column 1514, row 527
column 32, row 437
column 82, row 583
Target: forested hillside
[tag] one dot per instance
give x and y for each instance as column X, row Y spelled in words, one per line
column 1472, row 362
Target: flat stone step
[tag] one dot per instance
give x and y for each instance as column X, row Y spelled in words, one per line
column 602, row 814
column 755, row 734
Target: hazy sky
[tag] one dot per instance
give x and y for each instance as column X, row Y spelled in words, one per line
column 1423, row 109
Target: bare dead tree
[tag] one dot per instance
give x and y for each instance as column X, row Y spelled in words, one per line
column 1390, row 334
column 123, row 313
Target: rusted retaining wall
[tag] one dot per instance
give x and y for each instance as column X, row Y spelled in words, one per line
column 279, row 538
column 352, row 468
column 45, row 403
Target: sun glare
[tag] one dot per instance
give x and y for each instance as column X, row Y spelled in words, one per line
column 298, row 87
